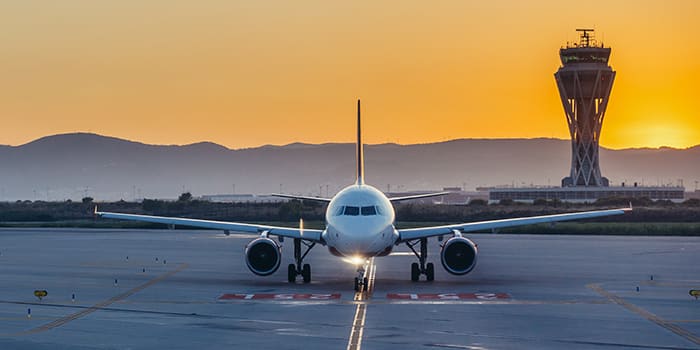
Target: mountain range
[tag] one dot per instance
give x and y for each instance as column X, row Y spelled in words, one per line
column 70, row 166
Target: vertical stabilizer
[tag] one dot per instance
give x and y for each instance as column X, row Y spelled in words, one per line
column 360, row 155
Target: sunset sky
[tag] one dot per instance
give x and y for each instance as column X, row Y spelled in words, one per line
column 245, row 74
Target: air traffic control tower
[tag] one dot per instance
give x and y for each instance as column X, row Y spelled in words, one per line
column 585, row 80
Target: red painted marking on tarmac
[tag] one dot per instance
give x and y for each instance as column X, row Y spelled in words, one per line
column 266, row 296
column 448, row 296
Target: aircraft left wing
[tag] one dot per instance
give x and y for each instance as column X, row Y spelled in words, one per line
column 424, row 232
column 290, row 232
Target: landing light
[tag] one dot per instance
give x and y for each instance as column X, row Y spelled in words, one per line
column 355, row 260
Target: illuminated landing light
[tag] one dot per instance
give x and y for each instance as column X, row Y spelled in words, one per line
column 355, row 260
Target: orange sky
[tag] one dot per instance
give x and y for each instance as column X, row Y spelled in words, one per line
column 249, row 73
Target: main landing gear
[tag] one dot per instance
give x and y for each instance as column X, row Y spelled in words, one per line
column 298, row 268
column 421, row 267
column 361, row 282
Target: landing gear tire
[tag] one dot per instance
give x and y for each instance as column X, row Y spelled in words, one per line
column 291, row 273
column 365, row 283
column 415, row 272
column 358, row 286
column 430, row 272
column 306, row 273
column 297, row 269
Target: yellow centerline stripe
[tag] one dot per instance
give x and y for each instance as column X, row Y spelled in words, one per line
column 646, row 314
column 74, row 316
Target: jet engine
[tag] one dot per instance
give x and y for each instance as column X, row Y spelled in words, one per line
column 458, row 255
column 263, row 256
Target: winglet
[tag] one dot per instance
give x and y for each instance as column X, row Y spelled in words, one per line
column 360, row 155
column 95, row 212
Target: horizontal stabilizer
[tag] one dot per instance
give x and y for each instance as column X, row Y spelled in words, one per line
column 416, row 196
column 306, row 198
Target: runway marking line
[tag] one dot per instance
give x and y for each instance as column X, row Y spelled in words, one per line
column 74, row 316
column 448, row 296
column 646, row 314
column 278, row 297
column 358, row 323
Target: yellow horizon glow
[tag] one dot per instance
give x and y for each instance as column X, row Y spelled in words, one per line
column 245, row 74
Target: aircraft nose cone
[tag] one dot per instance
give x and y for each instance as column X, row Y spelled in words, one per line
column 361, row 243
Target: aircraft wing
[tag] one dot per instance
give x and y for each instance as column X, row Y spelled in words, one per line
column 306, row 198
column 415, row 196
column 424, row 232
column 291, row 232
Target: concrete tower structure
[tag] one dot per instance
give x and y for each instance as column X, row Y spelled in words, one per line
column 585, row 80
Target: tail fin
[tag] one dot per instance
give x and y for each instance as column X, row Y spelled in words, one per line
column 360, row 155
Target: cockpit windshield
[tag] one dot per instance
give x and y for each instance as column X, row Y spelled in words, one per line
column 349, row 210
column 352, row 211
column 370, row 210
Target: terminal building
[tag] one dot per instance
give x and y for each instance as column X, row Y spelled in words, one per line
column 242, row 198
column 586, row 194
column 585, row 80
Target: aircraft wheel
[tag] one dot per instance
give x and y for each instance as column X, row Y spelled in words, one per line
column 357, row 284
column 430, row 272
column 365, row 282
column 415, row 272
column 306, row 273
column 291, row 273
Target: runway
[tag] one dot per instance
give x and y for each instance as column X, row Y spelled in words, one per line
column 182, row 289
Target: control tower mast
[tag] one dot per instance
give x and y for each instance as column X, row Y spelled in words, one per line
column 585, row 80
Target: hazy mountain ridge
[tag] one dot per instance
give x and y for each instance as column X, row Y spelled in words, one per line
column 70, row 165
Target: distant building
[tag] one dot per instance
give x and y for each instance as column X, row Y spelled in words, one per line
column 242, row 198
column 693, row 195
column 586, row 194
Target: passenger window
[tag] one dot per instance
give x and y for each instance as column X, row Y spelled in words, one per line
column 366, row 211
column 353, row 211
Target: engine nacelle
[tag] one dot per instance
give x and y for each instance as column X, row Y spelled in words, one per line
column 458, row 255
column 263, row 256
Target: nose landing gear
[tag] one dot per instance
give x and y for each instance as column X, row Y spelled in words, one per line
column 299, row 268
column 421, row 267
column 361, row 282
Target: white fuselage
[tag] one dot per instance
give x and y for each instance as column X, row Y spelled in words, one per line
column 360, row 223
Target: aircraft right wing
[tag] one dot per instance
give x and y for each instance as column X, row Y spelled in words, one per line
column 327, row 200
column 424, row 232
column 290, row 232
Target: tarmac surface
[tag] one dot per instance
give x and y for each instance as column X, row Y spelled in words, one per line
column 183, row 289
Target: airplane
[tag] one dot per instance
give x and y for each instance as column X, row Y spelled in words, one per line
column 359, row 226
